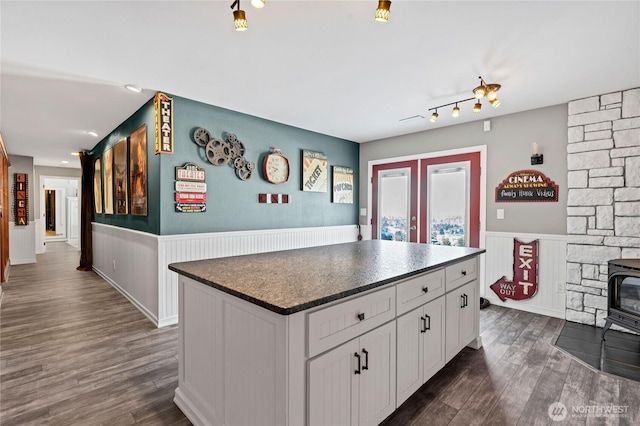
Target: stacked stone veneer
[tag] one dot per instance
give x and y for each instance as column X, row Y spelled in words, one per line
column 603, row 205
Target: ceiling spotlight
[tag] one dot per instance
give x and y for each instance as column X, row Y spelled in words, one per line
column 382, row 12
column 133, row 88
column 456, row 111
column 239, row 18
column 64, row 162
column 434, row 116
column 477, row 107
column 92, row 133
column 258, row 4
column 495, row 102
column 77, row 154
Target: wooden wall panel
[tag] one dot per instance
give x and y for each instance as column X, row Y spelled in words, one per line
column 4, row 212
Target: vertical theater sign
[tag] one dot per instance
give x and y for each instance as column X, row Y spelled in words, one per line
column 163, row 110
column 524, row 284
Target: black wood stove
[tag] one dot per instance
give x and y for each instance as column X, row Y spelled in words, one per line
column 624, row 295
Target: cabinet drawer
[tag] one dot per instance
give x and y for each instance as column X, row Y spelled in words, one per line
column 460, row 273
column 419, row 290
column 336, row 324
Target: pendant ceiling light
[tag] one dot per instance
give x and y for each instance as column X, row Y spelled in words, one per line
column 382, row 12
column 239, row 18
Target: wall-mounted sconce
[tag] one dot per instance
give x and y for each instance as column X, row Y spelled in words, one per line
column 536, row 154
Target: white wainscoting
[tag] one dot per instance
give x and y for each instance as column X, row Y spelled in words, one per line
column 552, row 271
column 22, row 244
column 142, row 259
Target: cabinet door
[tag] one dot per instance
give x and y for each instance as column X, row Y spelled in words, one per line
column 432, row 338
column 454, row 303
column 467, row 314
column 378, row 379
column 333, row 391
column 410, row 342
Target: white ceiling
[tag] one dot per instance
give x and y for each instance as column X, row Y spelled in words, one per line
column 325, row 66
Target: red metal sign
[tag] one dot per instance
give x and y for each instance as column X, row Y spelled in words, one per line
column 525, row 273
column 191, row 197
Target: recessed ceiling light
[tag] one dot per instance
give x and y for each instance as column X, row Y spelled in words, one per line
column 133, row 88
column 75, row 153
column 65, row 162
column 94, row 134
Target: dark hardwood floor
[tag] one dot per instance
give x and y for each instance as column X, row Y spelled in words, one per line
column 74, row 351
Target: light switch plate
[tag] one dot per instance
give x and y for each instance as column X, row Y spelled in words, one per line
column 500, row 214
column 487, row 125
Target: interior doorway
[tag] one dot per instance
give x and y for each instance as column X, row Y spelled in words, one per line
column 59, row 209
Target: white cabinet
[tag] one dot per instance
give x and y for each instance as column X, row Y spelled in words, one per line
column 420, row 347
column 462, row 318
column 354, row 384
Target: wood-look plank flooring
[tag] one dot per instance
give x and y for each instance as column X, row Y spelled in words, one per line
column 74, row 351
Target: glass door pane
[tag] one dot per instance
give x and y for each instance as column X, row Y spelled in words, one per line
column 448, row 204
column 393, row 204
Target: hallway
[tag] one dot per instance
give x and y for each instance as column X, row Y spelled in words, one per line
column 74, row 351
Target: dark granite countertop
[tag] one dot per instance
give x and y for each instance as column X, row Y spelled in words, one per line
column 290, row 281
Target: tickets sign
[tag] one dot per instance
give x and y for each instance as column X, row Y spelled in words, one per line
column 525, row 273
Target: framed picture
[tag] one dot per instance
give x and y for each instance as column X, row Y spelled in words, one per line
column 342, row 185
column 138, row 171
column 122, row 176
column 314, row 171
column 97, row 186
column 107, row 183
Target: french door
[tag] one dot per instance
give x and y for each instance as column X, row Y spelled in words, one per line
column 443, row 192
column 395, row 201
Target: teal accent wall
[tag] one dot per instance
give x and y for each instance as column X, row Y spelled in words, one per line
column 232, row 204
column 151, row 222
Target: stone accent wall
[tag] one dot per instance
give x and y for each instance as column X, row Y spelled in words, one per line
column 603, row 205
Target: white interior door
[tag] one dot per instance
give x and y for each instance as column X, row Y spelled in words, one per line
column 72, row 215
column 60, row 220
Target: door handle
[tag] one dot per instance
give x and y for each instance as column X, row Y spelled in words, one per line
column 366, row 359
column 465, row 301
column 462, row 300
column 424, row 325
column 428, row 323
column 357, row 355
column 413, row 228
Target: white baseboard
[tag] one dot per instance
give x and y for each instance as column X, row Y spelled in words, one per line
column 131, row 299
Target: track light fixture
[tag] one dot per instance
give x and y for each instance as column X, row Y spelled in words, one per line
column 484, row 90
column 258, row 4
column 239, row 18
column 382, row 12
column 456, row 111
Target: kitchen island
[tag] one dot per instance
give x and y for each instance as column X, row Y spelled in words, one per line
column 338, row 334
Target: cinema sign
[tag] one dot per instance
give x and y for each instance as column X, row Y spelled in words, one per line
column 527, row 186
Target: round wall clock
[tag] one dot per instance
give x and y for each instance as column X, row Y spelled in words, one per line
column 275, row 167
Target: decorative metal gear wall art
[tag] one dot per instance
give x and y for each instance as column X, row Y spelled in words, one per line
column 222, row 152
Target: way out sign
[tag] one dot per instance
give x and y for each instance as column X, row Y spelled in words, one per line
column 525, row 273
